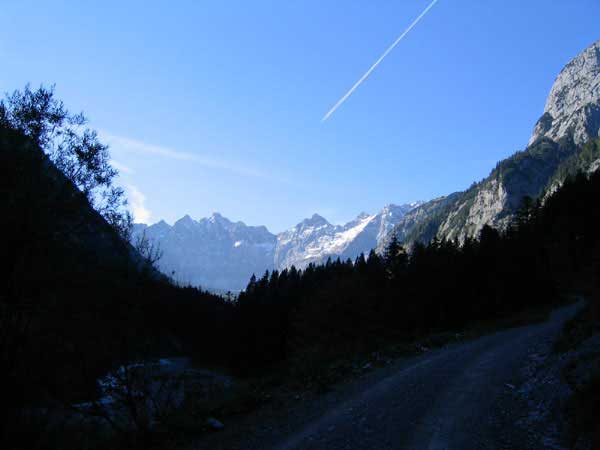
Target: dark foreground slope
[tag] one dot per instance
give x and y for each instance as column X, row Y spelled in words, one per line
column 75, row 299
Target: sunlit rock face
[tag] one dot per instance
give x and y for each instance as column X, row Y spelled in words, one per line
column 556, row 149
column 573, row 107
column 485, row 209
column 221, row 255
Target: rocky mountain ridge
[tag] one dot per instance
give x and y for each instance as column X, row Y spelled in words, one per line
column 212, row 252
column 573, row 107
column 562, row 143
column 218, row 254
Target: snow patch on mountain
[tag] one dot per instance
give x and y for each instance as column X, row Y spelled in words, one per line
column 222, row 255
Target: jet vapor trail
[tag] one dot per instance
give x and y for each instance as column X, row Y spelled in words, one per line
column 381, row 58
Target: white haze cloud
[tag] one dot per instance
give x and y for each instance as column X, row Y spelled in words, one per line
column 134, row 145
column 137, row 200
column 122, row 168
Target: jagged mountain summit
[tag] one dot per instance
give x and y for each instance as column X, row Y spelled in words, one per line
column 212, row 252
column 573, row 107
column 564, row 141
column 221, row 255
column 314, row 240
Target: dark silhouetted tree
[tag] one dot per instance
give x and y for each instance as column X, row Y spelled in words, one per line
column 74, row 149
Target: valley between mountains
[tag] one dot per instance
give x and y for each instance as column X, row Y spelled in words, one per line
column 468, row 321
column 221, row 255
column 218, row 254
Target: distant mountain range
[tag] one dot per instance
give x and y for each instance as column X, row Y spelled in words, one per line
column 218, row 254
column 222, row 255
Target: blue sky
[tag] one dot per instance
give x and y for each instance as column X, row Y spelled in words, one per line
column 217, row 105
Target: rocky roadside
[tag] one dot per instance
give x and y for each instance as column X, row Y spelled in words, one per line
column 541, row 398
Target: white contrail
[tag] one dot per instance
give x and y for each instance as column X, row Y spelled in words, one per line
column 381, row 58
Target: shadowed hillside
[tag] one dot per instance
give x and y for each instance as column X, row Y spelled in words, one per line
column 76, row 299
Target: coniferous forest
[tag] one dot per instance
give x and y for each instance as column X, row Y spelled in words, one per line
column 77, row 300
column 354, row 306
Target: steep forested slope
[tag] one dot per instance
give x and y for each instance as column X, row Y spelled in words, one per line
column 350, row 307
column 557, row 148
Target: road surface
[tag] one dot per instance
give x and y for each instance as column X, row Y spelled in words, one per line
column 460, row 397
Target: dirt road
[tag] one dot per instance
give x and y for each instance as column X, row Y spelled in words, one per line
column 453, row 398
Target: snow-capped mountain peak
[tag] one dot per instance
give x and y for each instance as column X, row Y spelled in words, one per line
column 315, row 221
column 217, row 219
column 217, row 253
column 185, row 223
column 314, row 240
column 211, row 252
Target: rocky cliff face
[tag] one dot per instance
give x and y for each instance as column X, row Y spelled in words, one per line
column 562, row 144
column 494, row 200
column 216, row 253
column 469, row 215
column 573, row 106
column 420, row 223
